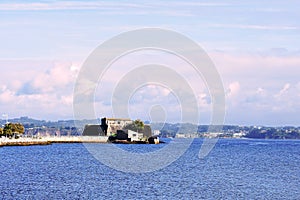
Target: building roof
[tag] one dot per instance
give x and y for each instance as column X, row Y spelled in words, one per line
column 118, row 119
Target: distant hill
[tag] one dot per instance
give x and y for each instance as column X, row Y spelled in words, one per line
column 67, row 127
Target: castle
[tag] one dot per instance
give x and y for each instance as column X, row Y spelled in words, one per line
column 118, row 128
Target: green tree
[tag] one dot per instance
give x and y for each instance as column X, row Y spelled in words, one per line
column 18, row 128
column 11, row 129
column 7, row 130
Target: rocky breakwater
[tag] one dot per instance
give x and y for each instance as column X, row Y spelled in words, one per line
column 23, row 142
column 49, row 140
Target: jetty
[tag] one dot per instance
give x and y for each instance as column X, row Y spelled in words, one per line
column 52, row 139
column 77, row 139
column 23, row 142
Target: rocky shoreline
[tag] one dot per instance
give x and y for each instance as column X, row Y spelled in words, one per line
column 50, row 140
column 24, row 143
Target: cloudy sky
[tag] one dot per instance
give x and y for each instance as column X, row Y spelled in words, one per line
column 255, row 46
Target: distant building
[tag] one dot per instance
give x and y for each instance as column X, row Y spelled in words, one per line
column 156, row 132
column 180, row 135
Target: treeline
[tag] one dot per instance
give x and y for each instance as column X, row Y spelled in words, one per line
column 12, row 129
column 274, row 133
column 287, row 132
column 67, row 127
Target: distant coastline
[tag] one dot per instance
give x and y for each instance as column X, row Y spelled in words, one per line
column 60, row 128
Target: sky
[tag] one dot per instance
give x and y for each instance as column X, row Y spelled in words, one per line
column 255, row 46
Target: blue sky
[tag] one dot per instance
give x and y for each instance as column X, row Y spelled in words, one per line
column 255, row 46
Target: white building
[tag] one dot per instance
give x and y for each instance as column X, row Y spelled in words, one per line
column 135, row 136
column 156, row 132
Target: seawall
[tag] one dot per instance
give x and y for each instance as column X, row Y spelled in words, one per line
column 50, row 140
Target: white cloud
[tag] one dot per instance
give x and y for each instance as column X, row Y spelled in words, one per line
column 283, row 91
column 256, row 84
column 261, row 86
column 57, row 77
column 254, row 70
column 118, row 7
column 260, row 91
column 233, row 89
column 67, row 5
column 47, row 94
column 204, row 101
column 106, row 8
column 6, row 95
column 255, row 27
column 298, row 88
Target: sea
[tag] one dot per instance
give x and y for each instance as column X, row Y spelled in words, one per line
column 234, row 169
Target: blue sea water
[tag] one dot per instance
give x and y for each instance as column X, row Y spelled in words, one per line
column 234, row 169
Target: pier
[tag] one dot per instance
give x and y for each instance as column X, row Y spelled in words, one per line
column 49, row 140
